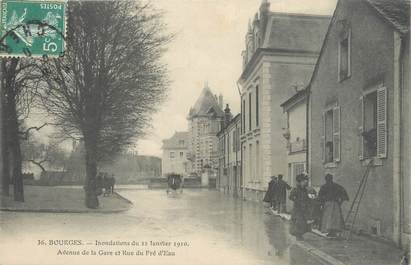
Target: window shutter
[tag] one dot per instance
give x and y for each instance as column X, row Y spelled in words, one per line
column 361, row 130
column 382, row 122
column 336, row 133
column 323, row 138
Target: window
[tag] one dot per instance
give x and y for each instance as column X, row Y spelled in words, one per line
column 373, row 128
column 330, row 139
column 243, row 113
column 369, row 132
column 234, row 140
column 181, row 142
column 172, row 155
column 257, row 122
column 181, row 154
column 228, row 142
column 249, row 111
column 344, row 55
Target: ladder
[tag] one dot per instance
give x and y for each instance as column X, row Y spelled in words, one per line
column 355, row 205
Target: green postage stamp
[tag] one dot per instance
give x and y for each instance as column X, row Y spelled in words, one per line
column 32, row 28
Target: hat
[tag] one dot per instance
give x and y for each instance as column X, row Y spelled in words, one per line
column 328, row 176
column 301, row 177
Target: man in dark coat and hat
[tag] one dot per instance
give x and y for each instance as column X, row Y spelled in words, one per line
column 271, row 191
column 281, row 194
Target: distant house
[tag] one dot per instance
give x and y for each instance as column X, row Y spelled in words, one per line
column 295, row 109
column 175, row 151
column 281, row 51
column 229, row 174
column 205, row 120
column 359, row 109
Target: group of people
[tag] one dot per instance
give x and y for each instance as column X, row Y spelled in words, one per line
column 309, row 208
column 105, row 182
column 276, row 193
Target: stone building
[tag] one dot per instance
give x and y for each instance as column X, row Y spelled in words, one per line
column 281, row 51
column 175, row 151
column 359, row 112
column 205, row 121
column 295, row 109
column 229, row 173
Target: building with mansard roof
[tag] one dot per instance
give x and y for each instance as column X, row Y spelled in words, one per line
column 281, row 51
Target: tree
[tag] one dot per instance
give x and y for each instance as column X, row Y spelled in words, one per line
column 110, row 80
column 41, row 154
column 18, row 90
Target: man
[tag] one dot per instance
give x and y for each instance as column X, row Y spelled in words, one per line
column 300, row 216
column 270, row 194
column 281, row 194
column 331, row 196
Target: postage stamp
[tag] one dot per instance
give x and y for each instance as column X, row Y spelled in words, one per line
column 32, row 28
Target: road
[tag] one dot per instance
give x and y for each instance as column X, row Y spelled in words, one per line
column 195, row 227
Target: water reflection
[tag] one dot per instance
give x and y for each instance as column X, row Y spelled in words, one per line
column 277, row 235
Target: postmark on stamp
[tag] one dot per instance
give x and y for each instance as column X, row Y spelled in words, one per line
column 32, row 28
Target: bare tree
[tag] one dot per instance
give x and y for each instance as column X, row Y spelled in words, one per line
column 110, row 80
column 18, row 90
column 41, row 154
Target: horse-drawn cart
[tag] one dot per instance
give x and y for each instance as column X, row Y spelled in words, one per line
column 175, row 182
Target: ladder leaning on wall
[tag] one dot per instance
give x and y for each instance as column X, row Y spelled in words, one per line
column 355, row 205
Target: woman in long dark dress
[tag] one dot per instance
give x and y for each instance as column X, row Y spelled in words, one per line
column 300, row 216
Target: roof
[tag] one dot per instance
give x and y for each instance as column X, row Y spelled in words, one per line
column 233, row 121
column 396, row 12
column 301, row 32
column 206, row 105
column 289, row 103
column 174, row 141
column 290, row 33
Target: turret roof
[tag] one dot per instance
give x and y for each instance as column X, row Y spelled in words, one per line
column 206, row 105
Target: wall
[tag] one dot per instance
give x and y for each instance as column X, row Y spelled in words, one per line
column 276, row 75
column 177, row 165
column 297, row 122
column 204, row 142
column 283, row 77
column 406, row 144
column 371, row 62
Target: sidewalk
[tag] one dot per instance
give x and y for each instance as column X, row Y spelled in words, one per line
column 62, row 200
column 357, row 251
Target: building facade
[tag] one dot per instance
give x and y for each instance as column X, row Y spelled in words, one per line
column 205, row 119
column 175, row 152
column 295, row 133
column 229, row 173
column 281, row 51
column 359, row 112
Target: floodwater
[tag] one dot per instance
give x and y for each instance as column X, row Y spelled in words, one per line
column 195, row 227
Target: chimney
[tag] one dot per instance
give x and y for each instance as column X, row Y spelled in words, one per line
column 227, row 115
column 264, row 13
column 220, row 101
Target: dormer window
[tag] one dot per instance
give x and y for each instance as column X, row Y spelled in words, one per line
column 344, row 52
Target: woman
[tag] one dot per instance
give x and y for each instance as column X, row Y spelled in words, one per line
column 300, row 216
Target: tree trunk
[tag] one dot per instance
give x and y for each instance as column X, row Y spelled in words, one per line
column 4, row 155
column 90, row 186
column 15, row 151
column 13, row 142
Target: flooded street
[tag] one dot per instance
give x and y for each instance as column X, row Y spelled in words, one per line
column 196, row 227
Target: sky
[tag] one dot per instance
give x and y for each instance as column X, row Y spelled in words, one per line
column 210, row 36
